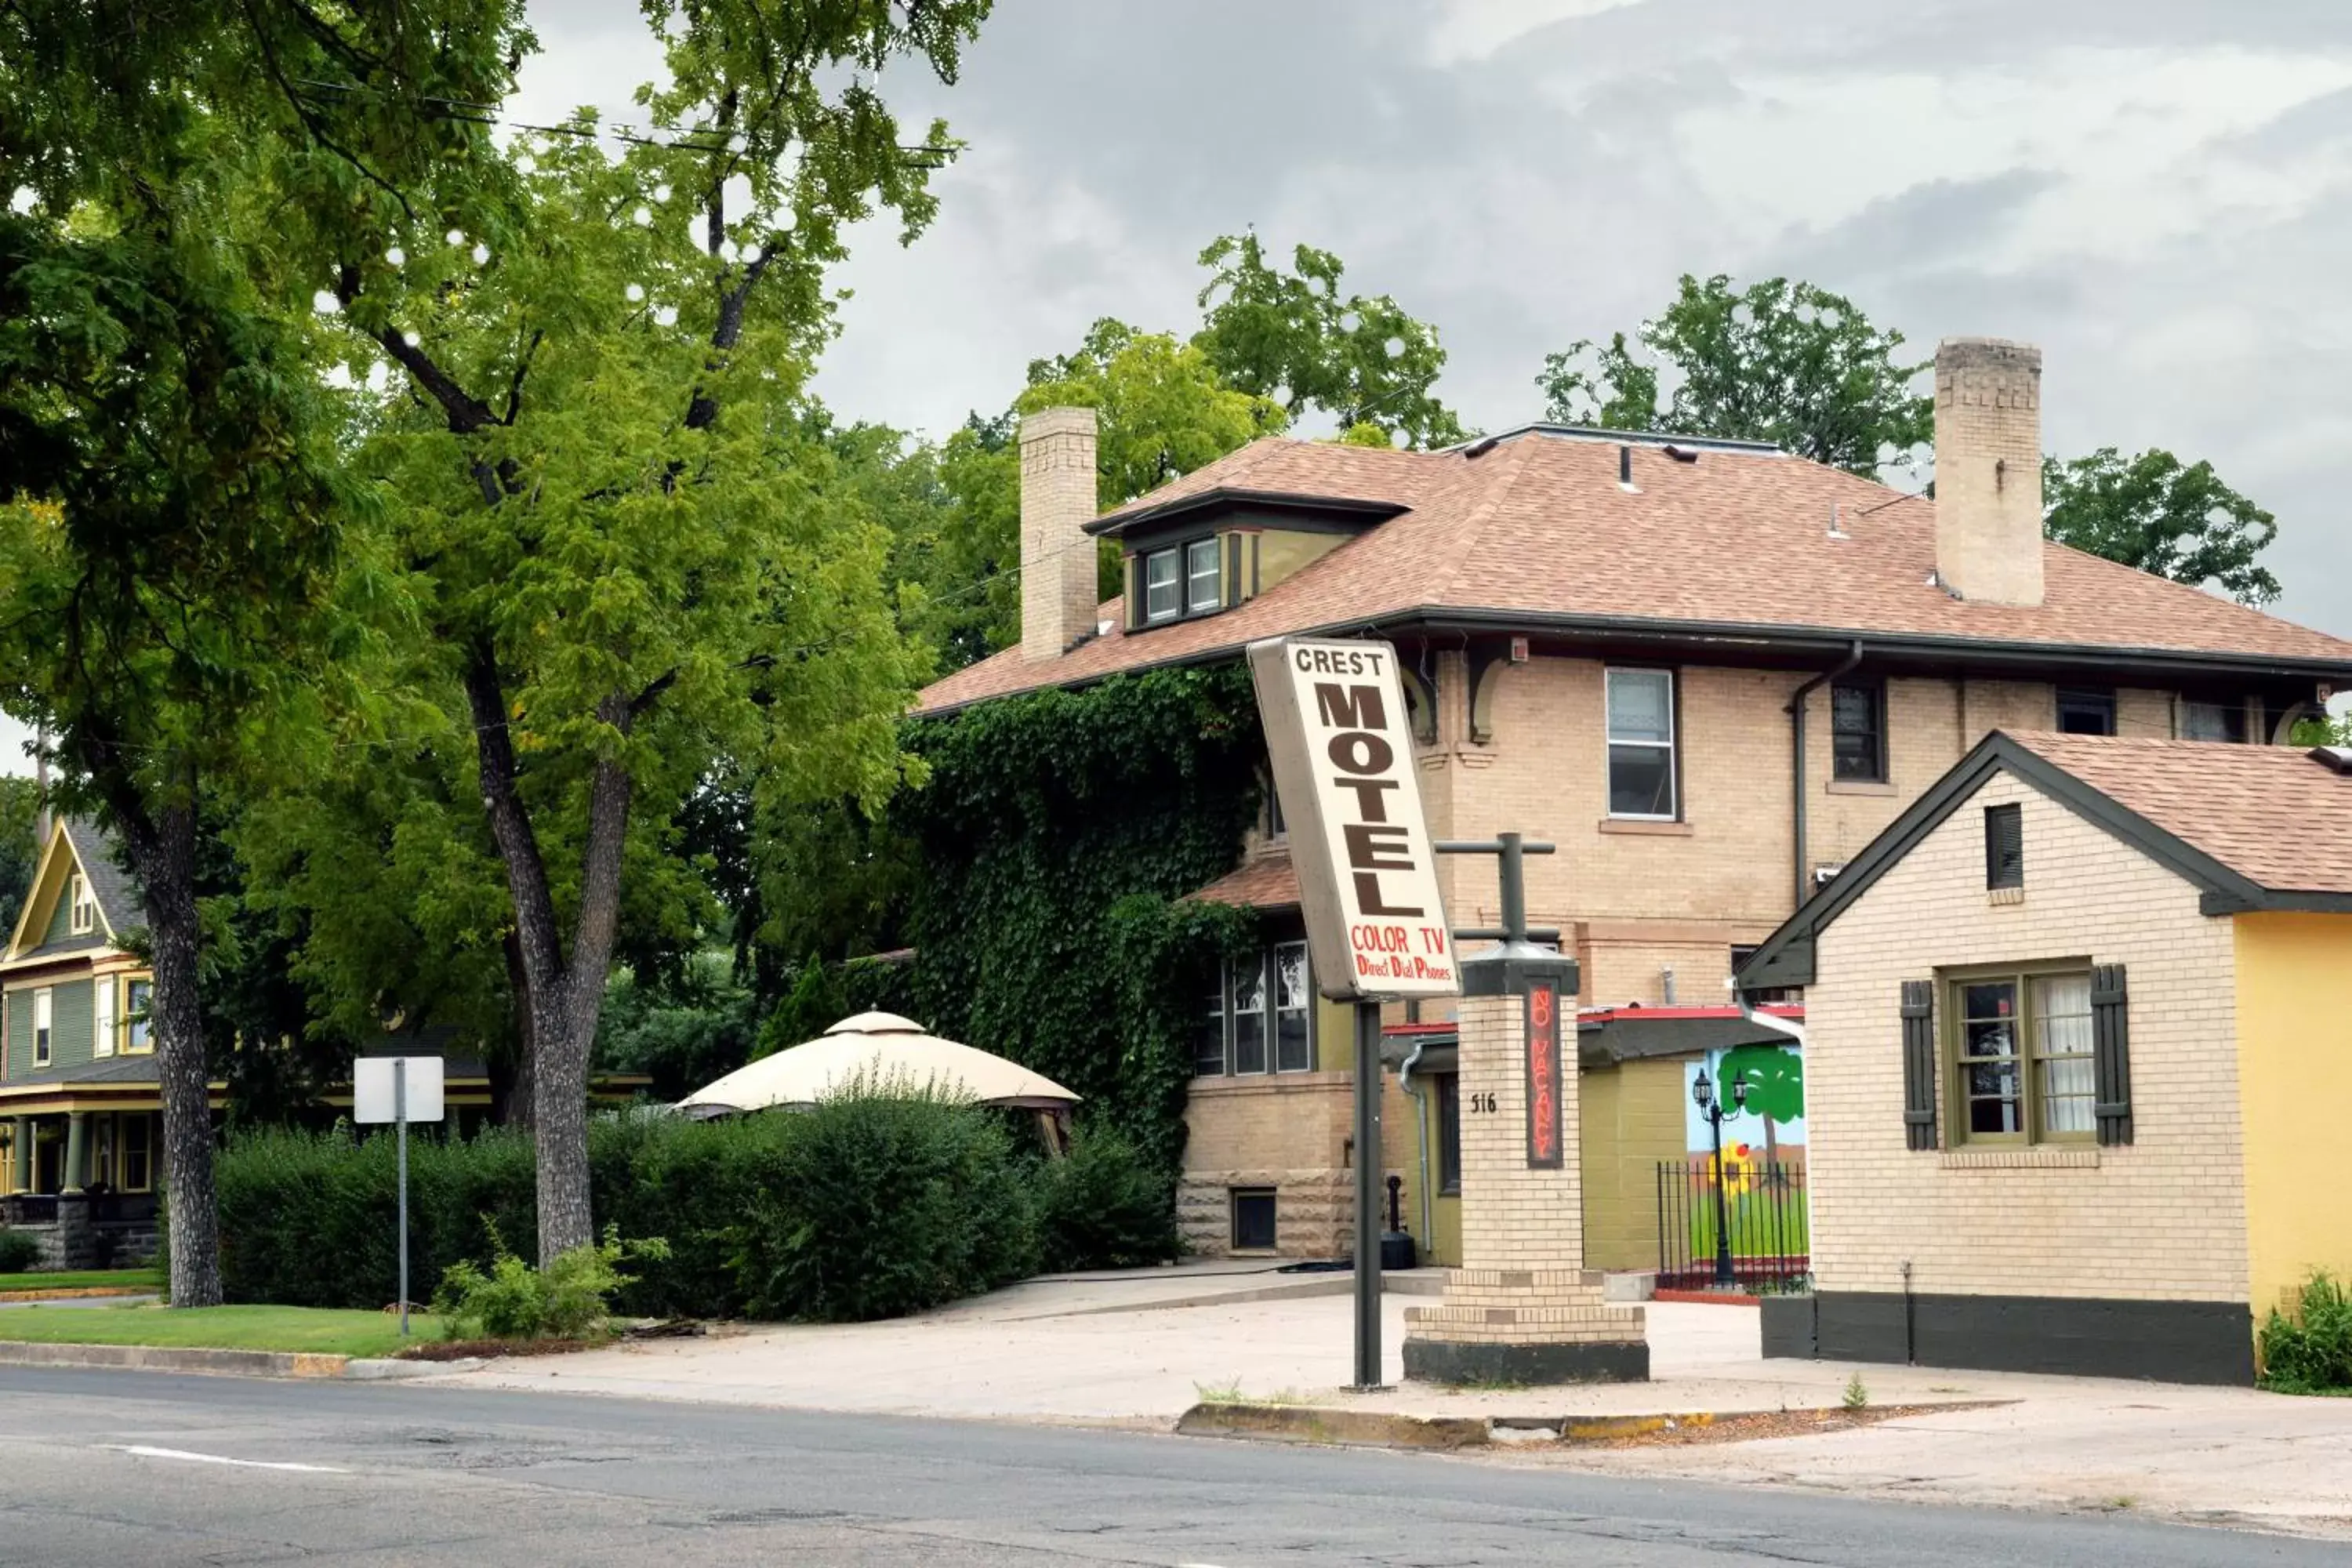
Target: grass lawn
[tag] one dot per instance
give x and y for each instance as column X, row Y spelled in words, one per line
column 85, row 1279
column 218, row 1328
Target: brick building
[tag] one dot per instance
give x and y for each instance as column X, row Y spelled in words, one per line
column 2074, row 1023
column 1709, row 671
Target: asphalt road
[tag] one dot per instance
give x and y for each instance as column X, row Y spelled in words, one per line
column 128, row 1469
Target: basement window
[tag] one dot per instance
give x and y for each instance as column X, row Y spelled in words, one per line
column 1252, row 1219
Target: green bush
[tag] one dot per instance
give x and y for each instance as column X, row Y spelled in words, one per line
column 886, row 1205
column 1105, row 1207
column 2311, row 1351
column 568, row 1299
column 861, row 1208
column 18, row 1251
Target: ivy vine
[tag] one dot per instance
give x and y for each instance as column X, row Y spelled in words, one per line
column 1059, row 832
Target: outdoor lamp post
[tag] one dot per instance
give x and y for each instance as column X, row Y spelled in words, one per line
column 1703, row 1093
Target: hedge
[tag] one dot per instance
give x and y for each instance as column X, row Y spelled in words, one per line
column 860, row 1208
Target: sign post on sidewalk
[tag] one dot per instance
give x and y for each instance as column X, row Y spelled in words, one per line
column 1341, row 748
column 398, row 1089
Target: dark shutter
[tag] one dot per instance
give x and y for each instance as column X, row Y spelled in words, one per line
column 2111, row 1037
column 2004, row 846
column 1919, row 1063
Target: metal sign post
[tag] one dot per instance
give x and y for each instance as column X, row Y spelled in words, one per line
column 1343, row 752
column 398, row 1089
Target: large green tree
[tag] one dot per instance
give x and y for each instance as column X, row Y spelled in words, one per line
column 20, row 848
column 172, row 501
column 2153, row 512
column 1779, row 361
column 1295, row 338
column 630, row 563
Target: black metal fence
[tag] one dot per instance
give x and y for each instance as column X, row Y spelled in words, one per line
column 1764, row 1214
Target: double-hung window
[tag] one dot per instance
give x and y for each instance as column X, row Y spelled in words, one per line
column 1858, row 732
column 84, row 918
column 1203, row 583
column 2085, row 712
column 139, row 997
column 1262, row 1020
column 138, row 1151
column 1642, row 774
column 2022, row 1058
column 1294, row 1045
column 1163, row 594
column 102, row 1033
column 2213, row 721
column 42, row 1033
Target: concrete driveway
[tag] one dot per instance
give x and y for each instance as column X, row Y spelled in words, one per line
column 1114, row 1351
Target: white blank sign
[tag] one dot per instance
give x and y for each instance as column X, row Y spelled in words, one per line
column 372, row 1089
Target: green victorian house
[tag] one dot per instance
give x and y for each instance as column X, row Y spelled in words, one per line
column 80, row 1106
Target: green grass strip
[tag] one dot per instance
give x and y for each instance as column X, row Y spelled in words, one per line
column 321, row 1330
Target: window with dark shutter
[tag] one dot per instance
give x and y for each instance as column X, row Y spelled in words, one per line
column 2111, row 1045
column 1919, row 1063
column 2004, row 846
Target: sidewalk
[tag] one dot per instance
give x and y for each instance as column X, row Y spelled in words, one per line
column 1089, row 1351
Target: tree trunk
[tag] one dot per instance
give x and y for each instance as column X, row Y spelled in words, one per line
column 514, row 1094
column 162, row 850
column 561, row 998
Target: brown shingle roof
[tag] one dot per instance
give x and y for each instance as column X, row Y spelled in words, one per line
column 1539, row 526
column 1262, row 882
column 2276, row 815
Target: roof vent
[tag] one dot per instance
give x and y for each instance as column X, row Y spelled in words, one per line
column 1625, row 472
column 1681, row 454
column 1837, row 523
column 2337, row 758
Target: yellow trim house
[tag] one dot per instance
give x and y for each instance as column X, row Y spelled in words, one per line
column 78, row 1102
column 2076, row 1025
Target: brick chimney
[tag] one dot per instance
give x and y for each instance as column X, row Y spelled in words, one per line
column 1057, row 555
column 1988, row 469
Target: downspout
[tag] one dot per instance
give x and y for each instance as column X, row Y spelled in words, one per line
column 1420, row 1126
column 1797, row 734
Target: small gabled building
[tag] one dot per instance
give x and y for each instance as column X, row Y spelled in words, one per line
column 79, row 1101
column 2078, row 1031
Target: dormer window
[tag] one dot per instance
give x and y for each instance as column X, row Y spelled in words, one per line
column 85, row 908
column 1203, row 584
column 1181, row 579
column 1162, row 594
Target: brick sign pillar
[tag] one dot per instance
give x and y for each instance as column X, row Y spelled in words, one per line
column 1522, row 1307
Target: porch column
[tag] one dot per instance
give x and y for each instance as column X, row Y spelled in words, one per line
column 20, row 1152
column 77, row 1153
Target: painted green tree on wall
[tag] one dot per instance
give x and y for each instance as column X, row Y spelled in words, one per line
column 1775, row 1087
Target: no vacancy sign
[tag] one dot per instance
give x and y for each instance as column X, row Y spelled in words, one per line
column 1342, row 752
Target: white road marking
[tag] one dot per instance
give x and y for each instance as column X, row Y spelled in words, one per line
column 144, row 1452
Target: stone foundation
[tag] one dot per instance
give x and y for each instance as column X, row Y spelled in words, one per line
column 1314, row 1211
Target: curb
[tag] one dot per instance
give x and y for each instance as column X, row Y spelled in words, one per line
column 1381, row 1429
column 221, row 1363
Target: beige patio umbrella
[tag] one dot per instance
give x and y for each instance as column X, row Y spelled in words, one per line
column 878, row 1049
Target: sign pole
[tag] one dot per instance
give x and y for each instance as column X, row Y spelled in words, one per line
column 1368, row 1200
column 399, row 1124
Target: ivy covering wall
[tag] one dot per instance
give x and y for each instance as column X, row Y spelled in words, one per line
column 1058, row 832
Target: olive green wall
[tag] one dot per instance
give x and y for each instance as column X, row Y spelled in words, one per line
column 70, row 1026
column 1632, row 1120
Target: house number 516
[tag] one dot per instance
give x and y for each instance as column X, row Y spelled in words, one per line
column 1481, row 1104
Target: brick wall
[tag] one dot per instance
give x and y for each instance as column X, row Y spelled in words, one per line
column 1289, row 1131
column 2163, row 1218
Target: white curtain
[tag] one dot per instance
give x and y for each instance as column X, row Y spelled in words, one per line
column 2061, row 1011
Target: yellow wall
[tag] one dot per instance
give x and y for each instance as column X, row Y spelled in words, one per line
column 2295, row 1077
column 1632, row 1120
column 1281, row 554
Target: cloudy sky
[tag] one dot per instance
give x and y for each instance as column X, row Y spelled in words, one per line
column 2158, row 192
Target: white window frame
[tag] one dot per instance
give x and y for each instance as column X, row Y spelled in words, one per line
column 82, row 920
column 102, row 1012
column 1276, row 1008
column 1263, row 1013
column 1174, row 558
column 44, row 1027
column 1671, row 745
column 1195, row 553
